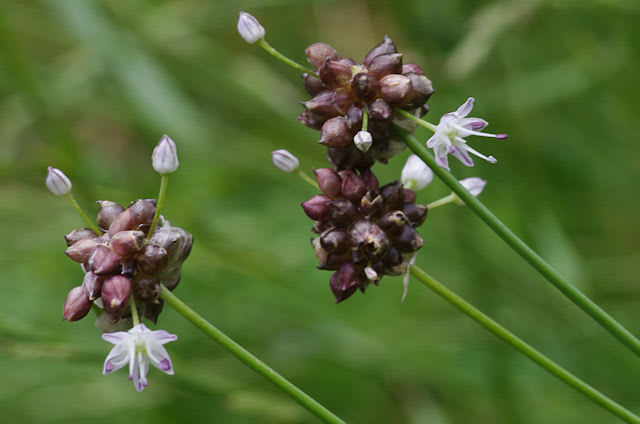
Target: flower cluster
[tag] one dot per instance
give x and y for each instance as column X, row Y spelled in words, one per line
column 365, row 231
column 344, row 90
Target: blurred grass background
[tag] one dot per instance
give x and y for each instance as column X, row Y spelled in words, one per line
column 90, row 87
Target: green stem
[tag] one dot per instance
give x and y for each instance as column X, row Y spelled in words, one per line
column 275, row 53
column 164, row 181
column 441, row 202
column 537, row 357
column 547, row 271
column 248, row 359
column 365, row 119
column 307, row 178
column 415, row 119
column 84, row 216
column 134, row 310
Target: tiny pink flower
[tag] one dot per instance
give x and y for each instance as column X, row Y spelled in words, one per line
column 138, row 347
column 450, row 133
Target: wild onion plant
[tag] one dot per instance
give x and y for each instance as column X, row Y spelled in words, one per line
column 367, row 113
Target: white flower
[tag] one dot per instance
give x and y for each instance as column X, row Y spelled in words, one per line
column 249, row 28
column 363, row 140
column 284, row 160
column 450, row 133
column 138, row 347
column 57, row 182
column 416, row 175
column 474, row 185
column 165, row 156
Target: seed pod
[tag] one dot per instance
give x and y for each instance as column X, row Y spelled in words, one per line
column 422, row 90
column 76, row 306
column 345, row 281
column 123, row 222
column 385, row 64
column 335, row 133
column 353, row 187
column 396, row 89
column 79, row 234
column 393, row 196
column 312, row 84
column 312, row 119
column 371, row 203
column 334, row 74
column 411, row 68
column 323, row 104
column 328, row 181
column 92, row 285
column 176, row 241
column 151, row 259
column 342, row 212
column 317, row 208
column 365, row 86
column 385, row 47
column 81, row 250
column 317, row 53
column 370, row 180
column 126, row 243
column 107, row 213
column 148, row 289
column 143, row 211
column 408, row 240
column 334, row 241
column 416, row 213
column 368, row 239
column 116, row 292
column 354, row 117
column 379, row 110
column 104, row 261
column 393, row 222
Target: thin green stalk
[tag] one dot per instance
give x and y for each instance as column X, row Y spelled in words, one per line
column 441, row 202
column 524, row 348
column 365, row 119
column 307, row 178
column 275, row 53
column 248, row 359
column 415, row 119
column 164, row 182
column 84, row 216
column 134, row 310
column 547, row 271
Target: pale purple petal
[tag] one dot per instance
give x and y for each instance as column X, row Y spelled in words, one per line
column 117, row 358
column 443, row 162
column 160, row 359
column 474, row 185
column 432, row 141
column 465, row 108
column 116, row 337
column 474, row 124
column 463, row 157
column 162, row 337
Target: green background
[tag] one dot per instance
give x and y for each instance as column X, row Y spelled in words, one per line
column 90, row 87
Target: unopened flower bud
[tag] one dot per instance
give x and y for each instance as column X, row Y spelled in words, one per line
column 92, row 285
column 107, row 213
column 126, row 243
column 318, row 53
column 396, row 89
column 328, row 181
column 334, row 74
column 317, row 208
column 345, row 281
column 474, row 185
column 370, row 180
column 165, row 156
column 143, row 211
column 76, row 306
column 342, row 212
column 422, row 90
column 380, row 110
column 104, row 261
column 116, row 292
column 335, row 133
column 284, row 160
column 416, row 213
column 79, row 234
column 385, row 64
column 57, row 182
column 176, row 241
column 363, row 140
column 123, row 222
column 323, row 104
column 392, row 222
column 393, row 195
column 312, row 84
column 151, row 259
column 353, row 187
column 364, row 86
column 385, row 47
column 82, row 250
column 334, row 241
column 416, row 174
column 249, row 28
column 411, row 68
column 409, row 240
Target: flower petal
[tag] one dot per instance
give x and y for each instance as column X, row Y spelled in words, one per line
column 474, row 124
column 465, row 108
column 162, row 337
column 463, row 156
column 160, row 359
column 116, row 359
column 116, row 337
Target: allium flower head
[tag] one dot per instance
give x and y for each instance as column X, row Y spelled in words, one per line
column 138, row 347
column 449, row 137
column 57, row 183
column 165, row 156
column 249, row 28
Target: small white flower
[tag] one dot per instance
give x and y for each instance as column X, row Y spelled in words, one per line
column 165, row 156
column 249, row 28
column 57, row 183
column 284, row 160
column 474, row 185
column 450, row 133
column 416, row 175
column 363, row 140
column 138, row 347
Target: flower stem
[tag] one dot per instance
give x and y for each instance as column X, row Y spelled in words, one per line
column 415, row 119
column 275, row 53
column 307, row 178
column 164, row 181
column 528, row 254
column 84, row 216
column 524, row 348
column 134, row 310
column 248, row 359
column 365, row 119
column 441, row 202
